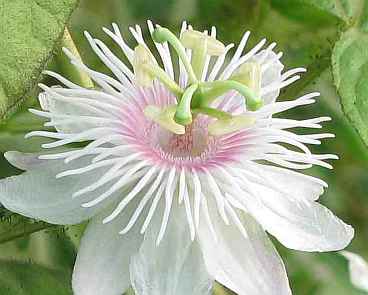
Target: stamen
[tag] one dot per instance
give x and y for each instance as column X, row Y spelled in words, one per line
column 219, row 63
column 201, row 45
column 232, row 67
column 164, row 118
column 161, row 35
column 145, row 70
column 142, row 56
column 249, row 74
column 192, row 38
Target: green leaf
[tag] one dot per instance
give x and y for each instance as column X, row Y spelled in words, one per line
column 13, row 130
column 13, row 226
column 343, row 9
column 29, row 33
column 305, row 11
column 17, row 278
column 350, row 70
column 364, row 18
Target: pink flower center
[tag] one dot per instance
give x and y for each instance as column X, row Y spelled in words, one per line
column 195, row 149
column 193, row 143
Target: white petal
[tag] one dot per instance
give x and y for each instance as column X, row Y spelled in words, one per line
column 75, row 110
column 23, row 161
column 102, row 265
column 175, row 266
column 358, row 269
column 308, row 187
column 298, row 223
column 38, row 194
column 57, row 107
column 245, row 264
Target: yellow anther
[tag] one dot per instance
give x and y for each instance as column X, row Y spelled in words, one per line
column 141, row 63
column 225, row 126
column 249, row 74
column 164, row 117
column 194, row 39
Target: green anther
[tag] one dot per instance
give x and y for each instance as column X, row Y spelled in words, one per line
column 161, row 35
column 218, row 88
column 183, row 114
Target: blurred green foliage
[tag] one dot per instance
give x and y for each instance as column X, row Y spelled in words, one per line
column 306, row 32
column 28, row 279
column 29, row 33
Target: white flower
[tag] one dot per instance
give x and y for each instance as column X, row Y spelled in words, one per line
column 358, row 270
column 179, row 194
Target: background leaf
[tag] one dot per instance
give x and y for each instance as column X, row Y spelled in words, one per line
column 344, row 9
column 29, row 32
column 350, row 68
column 18, row 278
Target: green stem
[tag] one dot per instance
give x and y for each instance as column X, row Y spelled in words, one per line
column 183, row 115
column 83, row 78
column 161, row 75
column 161, row 35
column 218, row 88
